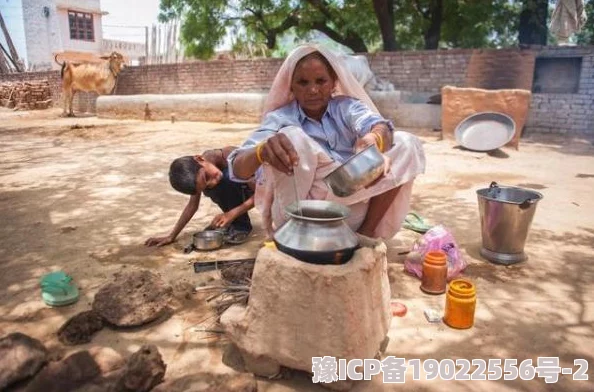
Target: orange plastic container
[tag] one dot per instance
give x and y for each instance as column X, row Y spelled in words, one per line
column 435, row 272
column 460, row 304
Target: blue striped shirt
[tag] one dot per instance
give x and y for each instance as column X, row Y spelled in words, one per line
column 345, row 120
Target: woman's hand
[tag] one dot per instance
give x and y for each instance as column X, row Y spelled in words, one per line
column 278, row 151
column 364, row 142
column 222, row 220
column 159, row 241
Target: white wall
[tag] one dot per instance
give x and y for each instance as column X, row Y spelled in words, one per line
column 41, row 32
column 12, row 12
column 49, row 35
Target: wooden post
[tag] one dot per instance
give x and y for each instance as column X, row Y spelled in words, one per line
column 13, row 52
column 174, row 42
column 3, row 64
column 153, row 44
column 14, row 63
column 146, row 45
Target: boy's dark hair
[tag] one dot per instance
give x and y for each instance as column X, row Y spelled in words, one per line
column 182, row 174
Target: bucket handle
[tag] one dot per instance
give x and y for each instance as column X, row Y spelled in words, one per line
column 527, row 203
column 494, row 190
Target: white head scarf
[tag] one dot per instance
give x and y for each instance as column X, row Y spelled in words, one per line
column 280, row 93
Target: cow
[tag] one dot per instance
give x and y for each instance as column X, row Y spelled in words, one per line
column 98, row 77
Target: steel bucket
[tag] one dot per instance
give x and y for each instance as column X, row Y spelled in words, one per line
column 506, row 214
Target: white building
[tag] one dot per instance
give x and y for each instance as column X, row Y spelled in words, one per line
column 40, row 29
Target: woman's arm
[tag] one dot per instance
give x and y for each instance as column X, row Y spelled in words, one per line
column 277, row 150
column 370, row 127
column 245, row 163
column 383, row 130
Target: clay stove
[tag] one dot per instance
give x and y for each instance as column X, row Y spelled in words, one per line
column 299, row 310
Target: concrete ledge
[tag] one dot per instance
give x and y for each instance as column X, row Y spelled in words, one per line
column 247, row 107
column 415, row 115
column 218, row 107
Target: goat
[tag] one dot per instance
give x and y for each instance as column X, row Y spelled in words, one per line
column 100, row 77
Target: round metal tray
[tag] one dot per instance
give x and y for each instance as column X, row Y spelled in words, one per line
column 485, row 131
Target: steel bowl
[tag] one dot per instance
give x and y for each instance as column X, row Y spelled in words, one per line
column 357, row 172
column 208, row 240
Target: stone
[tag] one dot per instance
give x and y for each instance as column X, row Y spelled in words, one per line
column 298, row 310
column 66, row 375
column 21, row 357
column 107, row 359
column 145, row 369
column 235, row 382
column 80, row 328
column 134, row 298
column 459, row 103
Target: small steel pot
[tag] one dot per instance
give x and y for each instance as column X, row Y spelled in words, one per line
column 357, row 172
column 208, row 240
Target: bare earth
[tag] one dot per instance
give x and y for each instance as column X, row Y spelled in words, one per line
column 83, row 194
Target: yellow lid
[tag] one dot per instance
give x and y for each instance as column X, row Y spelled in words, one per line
column 462, row 288
column 269, row 245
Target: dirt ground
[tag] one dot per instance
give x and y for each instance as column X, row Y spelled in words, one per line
column 82, row 195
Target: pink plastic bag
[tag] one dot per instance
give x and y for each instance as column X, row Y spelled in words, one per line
column 436, row 238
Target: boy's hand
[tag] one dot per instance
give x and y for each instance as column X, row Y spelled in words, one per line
column 159, row 241
column 222, row 220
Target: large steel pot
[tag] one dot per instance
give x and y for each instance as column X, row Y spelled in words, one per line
column 506, row 214
column 317, row 233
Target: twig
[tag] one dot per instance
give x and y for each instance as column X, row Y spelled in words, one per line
column 229, row 287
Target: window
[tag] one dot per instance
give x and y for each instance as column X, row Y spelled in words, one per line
column 81, row 26
column 557, row 75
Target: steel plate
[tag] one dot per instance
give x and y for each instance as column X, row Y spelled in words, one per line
column 485, row 131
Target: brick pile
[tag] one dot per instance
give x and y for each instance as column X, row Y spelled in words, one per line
column 25, row 95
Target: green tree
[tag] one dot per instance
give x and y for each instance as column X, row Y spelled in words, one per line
column 464, row 24
column 384, row 12
column 533, row 28
column 206, row 22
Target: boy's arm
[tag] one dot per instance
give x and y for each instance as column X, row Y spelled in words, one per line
column 225, row 219
column 187, row 214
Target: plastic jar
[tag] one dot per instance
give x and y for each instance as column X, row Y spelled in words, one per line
column 435, row 272
column 460, row 304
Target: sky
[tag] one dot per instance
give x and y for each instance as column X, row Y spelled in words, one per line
column 13, row 18
column 128, row 13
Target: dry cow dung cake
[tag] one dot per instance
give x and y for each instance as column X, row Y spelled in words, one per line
column 133, row 298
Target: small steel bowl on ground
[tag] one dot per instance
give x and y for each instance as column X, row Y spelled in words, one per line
column 357, row 172
column 208, row 240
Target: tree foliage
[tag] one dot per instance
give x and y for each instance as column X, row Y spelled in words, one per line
column 362, row 25
column 533, row 28
column 206, row 22
column 465, row 24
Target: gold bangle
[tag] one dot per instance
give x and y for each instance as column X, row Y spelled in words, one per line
column 259, row 152
column 380, row 141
